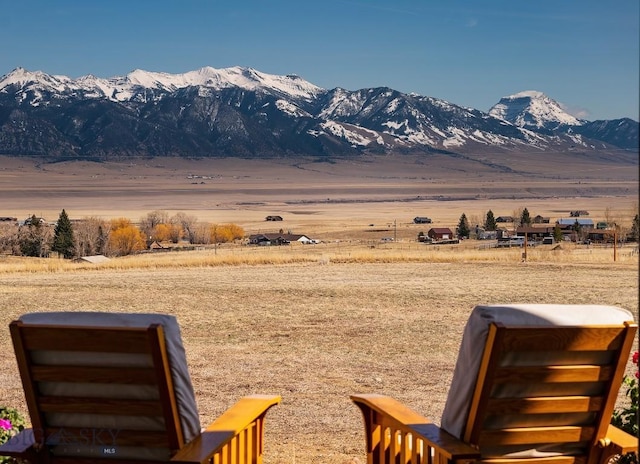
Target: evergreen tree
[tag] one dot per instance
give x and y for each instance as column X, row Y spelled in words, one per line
column 490, row 221
column 463, row 227
column 577, row 227
column 63, row 241
column 525, row 219
column 557, row 233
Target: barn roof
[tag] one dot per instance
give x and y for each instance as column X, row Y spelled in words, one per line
column 573, row 220
column 289, row 237
column 95, row 259
column 441, row 230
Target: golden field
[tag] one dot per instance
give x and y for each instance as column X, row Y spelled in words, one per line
column 314, row 323
column 314, row 332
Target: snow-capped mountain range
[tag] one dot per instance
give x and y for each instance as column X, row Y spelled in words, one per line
column 243, row 112
column 132, row 86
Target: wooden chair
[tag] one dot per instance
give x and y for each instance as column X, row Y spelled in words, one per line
column 541, row 391
column 100, row 391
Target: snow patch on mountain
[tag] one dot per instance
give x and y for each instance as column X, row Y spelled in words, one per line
column 403, row 131
column 456, row 139
column 342, row 103
column 351, row 135
column 291, row 109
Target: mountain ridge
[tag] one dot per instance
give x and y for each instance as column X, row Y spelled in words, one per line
column 243, row 112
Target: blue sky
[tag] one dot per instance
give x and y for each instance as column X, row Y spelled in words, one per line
column 582, row 53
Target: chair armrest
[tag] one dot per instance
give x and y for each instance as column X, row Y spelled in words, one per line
column 408, row 427
column 621, row 442
column 246, row 417
column 20, row 445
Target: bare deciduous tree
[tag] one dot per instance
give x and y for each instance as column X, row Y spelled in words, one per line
column 151, row 221
column 90, row 235
column 187, row 223
column 9, row 243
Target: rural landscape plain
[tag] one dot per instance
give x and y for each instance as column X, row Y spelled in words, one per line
column 316, row 323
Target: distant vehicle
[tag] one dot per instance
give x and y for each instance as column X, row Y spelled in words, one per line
column 422, row 220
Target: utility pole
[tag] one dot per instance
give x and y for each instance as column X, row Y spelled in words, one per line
column 395, row 230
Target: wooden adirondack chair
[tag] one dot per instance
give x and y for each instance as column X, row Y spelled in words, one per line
column 533, row 384
column 114, row 388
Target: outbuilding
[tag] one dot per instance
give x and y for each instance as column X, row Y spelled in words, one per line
column 440, row 233
column 570, row 222
column 279, row 239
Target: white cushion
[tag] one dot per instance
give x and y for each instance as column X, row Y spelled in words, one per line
column 456, row 408
column 184, row 393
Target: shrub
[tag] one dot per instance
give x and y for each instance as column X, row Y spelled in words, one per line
column 11, row 423
column 627, row 417
column 125, row 238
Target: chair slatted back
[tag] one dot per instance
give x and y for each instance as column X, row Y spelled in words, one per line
column 547, row 391
column 102, row 389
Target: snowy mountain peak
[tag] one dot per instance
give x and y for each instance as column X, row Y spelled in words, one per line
column 122, row 88
column 534, row 110
column 23, row 77
column 236, row 76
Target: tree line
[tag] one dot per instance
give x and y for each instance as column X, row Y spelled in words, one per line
column 116, row 237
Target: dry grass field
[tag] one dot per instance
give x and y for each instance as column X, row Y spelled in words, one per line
column 314, row 332
column 314, row 323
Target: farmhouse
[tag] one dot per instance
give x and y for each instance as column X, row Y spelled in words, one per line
column 279, row 239
column 541, row 220
column 602, row 236
column 570, row 222
column 32, row 221
column 534, row 233
column 440, row 233
column 482, row 234
column 504, row 219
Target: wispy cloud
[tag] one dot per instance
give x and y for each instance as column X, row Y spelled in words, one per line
column 576, row 111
